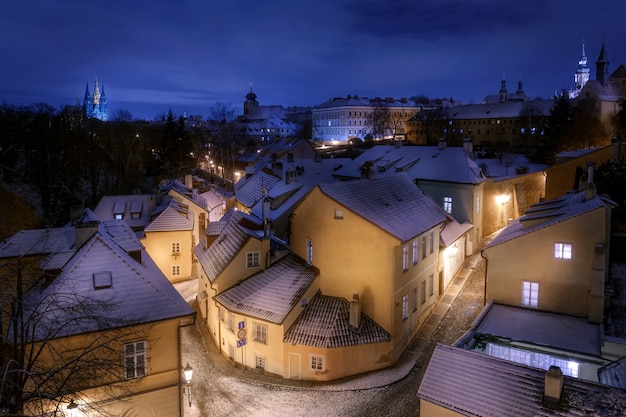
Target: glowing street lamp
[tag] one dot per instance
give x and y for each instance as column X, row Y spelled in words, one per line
column 188, row 372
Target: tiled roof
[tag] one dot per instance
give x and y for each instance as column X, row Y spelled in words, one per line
column 547, row 213
column 450, row 164
column 270, row 295
column 128, row 294
column 174, row 217
column 39, row 242
column 510, row 109
column 249, row 191
column 190, row 194
column 610, row 92
column 473, row 384
column 224, row 248
column 325, row 323
column 136, row 209
column 614, row 374
column 393, row 203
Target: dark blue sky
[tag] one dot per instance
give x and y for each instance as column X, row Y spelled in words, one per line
column 186, row 55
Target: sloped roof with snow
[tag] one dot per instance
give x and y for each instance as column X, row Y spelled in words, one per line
column 425, row 163
column 325, row 323
column 547, row 213
column 39, row 242
column 189, row 194
column 103, row 287
column 609, row 92
column 249, row 191
column 136, row 210
column 509, row 109
column 473, row 384
column 271, row 294
column 393, row 203
column 174, row 218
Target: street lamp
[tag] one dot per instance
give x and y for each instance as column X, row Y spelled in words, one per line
column 71, row 407
column 188, row 372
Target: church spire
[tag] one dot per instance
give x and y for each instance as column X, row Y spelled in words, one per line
column 96, row 93
column 602, row 65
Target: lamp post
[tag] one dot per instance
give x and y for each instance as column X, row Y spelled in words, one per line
column 188, row 372
column 71, row 407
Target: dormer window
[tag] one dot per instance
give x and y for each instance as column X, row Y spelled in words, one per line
column 102, row 280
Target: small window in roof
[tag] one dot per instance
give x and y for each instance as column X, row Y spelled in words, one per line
column 102, row 279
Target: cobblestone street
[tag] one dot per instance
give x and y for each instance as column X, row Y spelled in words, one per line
column 220, row 389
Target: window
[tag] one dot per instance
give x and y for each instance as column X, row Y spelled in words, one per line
column 414, row 300
column 415, row 251
column 259, row 362
column 175, row 270
column 423, row 246
column 405, row 307
column 432, row 241
column 260, row 333
column 309, row 251
column 252, row 259
column 119, row 216
column 231, row 322
column 317, row 363
column 405, row 258
column 423, row 300
column 431, row 285
column 477, row 204
column 563, row 250
column 135, row 216
column 175, row 248
column 530, row 294
column 135, row 359
column 338, row 214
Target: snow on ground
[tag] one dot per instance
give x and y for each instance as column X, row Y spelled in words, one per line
column 506, row 166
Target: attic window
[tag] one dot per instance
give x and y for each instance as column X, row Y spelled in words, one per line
column 102, row 280
column 338, row 214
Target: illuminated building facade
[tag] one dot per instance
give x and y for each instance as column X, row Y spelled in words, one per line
column 95, row 106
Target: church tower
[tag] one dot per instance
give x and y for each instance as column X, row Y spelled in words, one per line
column 582, row 72
column 602, row 66
column 250, row 104
column 95, row 107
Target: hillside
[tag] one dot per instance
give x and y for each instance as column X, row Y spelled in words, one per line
column 15, row 214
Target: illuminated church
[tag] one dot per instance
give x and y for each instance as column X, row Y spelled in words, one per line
column 95, row 106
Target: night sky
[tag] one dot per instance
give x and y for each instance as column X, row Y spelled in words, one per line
column 186, row 55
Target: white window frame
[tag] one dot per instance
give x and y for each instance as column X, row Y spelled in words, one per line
column 316, row 363
column 260, row 333
column 175, row 270
column 260, row 362
column 309, row 251
column 175, row 248
column 253, row 259
column 135, row 359
column 424, row 247
column 415, row 252
column 405, row 307
column 562, row 250
column 447, row 204
column 530, row 294
column 405, row 258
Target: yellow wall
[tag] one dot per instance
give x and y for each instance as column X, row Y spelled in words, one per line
column 159, row 247
column 428, row 409
column 564, row 285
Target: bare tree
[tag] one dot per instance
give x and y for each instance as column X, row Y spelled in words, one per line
column 379, row 119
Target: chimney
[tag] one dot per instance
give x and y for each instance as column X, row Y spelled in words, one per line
column 442, row 144
column 590, row 190
column 355, row 311
column 188, row 181
column 265, row 213
column 84, row 232
column 553, row 387
column 468, row 147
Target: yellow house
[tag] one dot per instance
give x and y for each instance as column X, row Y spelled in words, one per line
column 168, row 241
column 102, row 335
column 561, row 249
column 378, row 239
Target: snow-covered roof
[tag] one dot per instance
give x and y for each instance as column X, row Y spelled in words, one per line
column 249, row 191
column 450, row 164
column 557, row 331
column 174, row 218
column 39, row 242
column 393, row 203
column 271, row 294
column 325, row 323
column 547, row 213
column 102, row 287
column 609, row 92
column 188, row 194
column 136, row 210
column 497, row 110
column 453, row 230
column 474, row 384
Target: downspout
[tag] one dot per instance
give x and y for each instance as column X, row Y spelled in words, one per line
column 482, row 255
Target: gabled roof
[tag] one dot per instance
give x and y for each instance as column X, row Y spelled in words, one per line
column 393, row 203
column 474, row 384
column 610, row 92
column 189, row 194
column 270, row 295
column 249, row 191
column 325, row 323
column 232, row 236
column 135, row 209
column 175, row 217
column 547, row 213
column 420, row 163
column 498, row 110
column 102, row 275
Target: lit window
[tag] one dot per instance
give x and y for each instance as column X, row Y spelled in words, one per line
column 260, row 333
column 119, row 216
column 405, row 307
column 317, row 363
column 259, row 362
column 135, row 359
column 175, row 270
column 530, row 294
column 252, row 259
column 176, row 248
column 405, row 258
column 563, row 250
column 447, row 204
column 415, row 251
